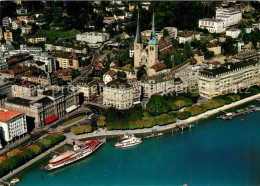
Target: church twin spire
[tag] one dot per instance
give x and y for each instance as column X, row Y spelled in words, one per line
column 153, row 38
column 138, row 37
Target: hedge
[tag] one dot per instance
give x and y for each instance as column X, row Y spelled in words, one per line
column 81, row 129
column 183, row 115
column 165, row 119
column 17, row 157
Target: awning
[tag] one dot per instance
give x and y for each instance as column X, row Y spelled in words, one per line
column 73, row 107
column 51, row 119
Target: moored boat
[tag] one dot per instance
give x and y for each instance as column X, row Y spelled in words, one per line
column 126, row 136
column 15, row 180
column 79, row 152
column 129, row 142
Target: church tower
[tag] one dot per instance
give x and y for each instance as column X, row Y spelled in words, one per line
column 152, row 47
column 138, row 46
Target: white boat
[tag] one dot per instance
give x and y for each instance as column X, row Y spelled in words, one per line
column 129, row 142
column 258, row 99
column 15, row 180
column 126, row 136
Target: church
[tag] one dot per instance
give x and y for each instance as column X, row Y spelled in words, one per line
column 147, row 56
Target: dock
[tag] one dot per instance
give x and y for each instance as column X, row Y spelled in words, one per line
column 183, row 126
column 231, row 115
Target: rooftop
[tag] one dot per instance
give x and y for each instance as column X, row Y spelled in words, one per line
column 7, row 115
column 227, row 67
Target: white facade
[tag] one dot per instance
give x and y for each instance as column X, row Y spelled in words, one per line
column 12, row 124
column 249, row 29
column 230, row 16
column 36, row 39
column 213, row 84
column 234, row 33
column 189, row 37
column 48, row 60
column 7, row 21
column 118, row 95
column 93, row 37
column 26, row 30
column 172, row 31
column 16, row 24
column 212, row 25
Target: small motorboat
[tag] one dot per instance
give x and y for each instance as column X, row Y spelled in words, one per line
column 160, row 134
column 241, row 119
column 15, row 180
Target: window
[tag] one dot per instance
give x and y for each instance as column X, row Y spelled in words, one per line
column 70, row 62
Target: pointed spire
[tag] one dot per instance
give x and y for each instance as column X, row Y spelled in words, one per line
column 138, row 37
column 153, row 38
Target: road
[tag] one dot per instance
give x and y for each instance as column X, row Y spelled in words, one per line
column 88, row 69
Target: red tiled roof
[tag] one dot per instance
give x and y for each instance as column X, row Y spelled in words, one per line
column 109, row 18
column 111, row 73
column 188, row 34
column 164, row 42
column 162, row 54
column 159, row 66
column 6, row 115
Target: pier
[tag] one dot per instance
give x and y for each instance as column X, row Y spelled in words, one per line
column 183, row 126
column 230, row 115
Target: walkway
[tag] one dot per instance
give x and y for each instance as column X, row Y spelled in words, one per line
column 15, row 171
column 162, row 128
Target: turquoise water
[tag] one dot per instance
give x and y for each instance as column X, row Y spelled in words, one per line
column 214, row 153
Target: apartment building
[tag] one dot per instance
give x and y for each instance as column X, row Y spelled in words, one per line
column 189, row 37
column 48, row 61
column 234, row 32
column 68, row 60
column 93, row 37
column 230, row 16
column 118, row 94
column 212, row 25
column 8, row 36
column 230, row 77
column 13, row 125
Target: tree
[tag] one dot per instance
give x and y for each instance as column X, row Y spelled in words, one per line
column 121, row 74
column 141, row 71
column 165, row 33
column 108, row 62
column 187, row 53
column 157, row 105
column 167, row 60
column 101, row 121
column 229, row 47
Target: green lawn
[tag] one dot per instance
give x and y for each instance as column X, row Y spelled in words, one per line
column 72, row 121
column 57, row 33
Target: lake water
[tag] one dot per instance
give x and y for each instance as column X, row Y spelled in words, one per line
column 215, row 152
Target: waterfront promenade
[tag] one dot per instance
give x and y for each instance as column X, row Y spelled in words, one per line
column 15, row 171
column 162, row 128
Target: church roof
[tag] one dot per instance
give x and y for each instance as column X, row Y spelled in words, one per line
column 158, row 67
column 153, row 38
column 138, row 37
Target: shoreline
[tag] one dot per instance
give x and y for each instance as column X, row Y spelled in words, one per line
column 165, row 127
column 32, row 161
